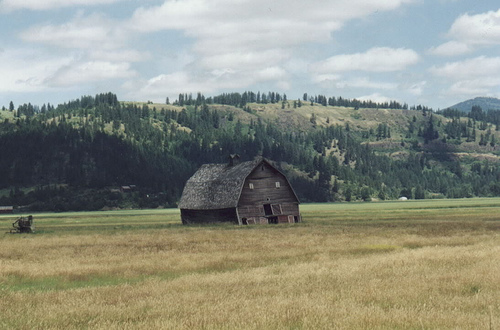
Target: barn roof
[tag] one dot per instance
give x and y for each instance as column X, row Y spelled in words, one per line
column 217, row 186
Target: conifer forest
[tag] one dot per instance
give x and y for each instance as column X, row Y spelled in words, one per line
column 97, row 152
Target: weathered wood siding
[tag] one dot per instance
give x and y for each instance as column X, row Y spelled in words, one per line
column 208, row 216
column 266, row 192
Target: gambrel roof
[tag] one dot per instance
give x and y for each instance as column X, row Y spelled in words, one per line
column 218, row 186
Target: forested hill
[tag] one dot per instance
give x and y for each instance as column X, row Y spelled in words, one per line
column 97, row 153
column 485, row 103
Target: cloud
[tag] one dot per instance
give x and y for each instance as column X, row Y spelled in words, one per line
column 167, row 84
column 15, row 77
column 375, row 97
column 480, row 29
column 230, row 44
column 10, row 5
column 47, row 71
column 87, row 72
column 475, row 76
column 477, row 67
column 474, row 87
column 379, row 59
column 95, row 31
column 121, row 55
column 204, row 82
column 470, row 31
column 416, row 89
column 101, row 50
column 450, row 48
column 337, row 81
column 255, row 24
column 244, row 42
column 248, row 60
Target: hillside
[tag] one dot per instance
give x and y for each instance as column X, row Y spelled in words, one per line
column 78, row 155
column 486, row 103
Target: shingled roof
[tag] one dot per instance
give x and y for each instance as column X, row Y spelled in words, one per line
column 217, row 186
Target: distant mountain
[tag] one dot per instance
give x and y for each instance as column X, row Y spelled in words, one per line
column 486, row 103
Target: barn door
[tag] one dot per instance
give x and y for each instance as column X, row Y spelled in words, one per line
column 272, row 209
column 276, row 208
column 267, row 209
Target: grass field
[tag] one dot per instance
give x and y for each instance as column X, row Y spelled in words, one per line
column 390, row 265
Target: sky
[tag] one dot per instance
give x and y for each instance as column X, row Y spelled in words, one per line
column 431, row 52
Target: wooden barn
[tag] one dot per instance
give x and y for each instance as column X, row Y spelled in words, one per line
column 253, row 192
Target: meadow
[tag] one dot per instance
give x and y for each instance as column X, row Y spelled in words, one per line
column 386, row 265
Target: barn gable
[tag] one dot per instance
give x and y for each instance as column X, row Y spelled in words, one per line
column 220, row 192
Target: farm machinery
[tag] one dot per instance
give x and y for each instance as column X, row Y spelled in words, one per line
column 23, row 225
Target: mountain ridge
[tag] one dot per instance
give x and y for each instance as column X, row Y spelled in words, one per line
column 486, row 103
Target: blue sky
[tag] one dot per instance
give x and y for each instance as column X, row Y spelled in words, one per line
column 430, row 52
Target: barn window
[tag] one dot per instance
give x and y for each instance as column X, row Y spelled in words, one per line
column 278, row 184
column 250, row 185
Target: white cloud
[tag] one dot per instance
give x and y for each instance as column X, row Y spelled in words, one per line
column 365, row 83
column 15, row 77
column 101, row 50
column 166, row 84
column 337, row 81
column 230, row 44
column 122, row 55
column 10, row 5
column 476, row 76
column 379, row 59
column 255, row 23
column 243, row 42
column 469, row 32
column 205, row 82
column 270, row 73
column 474, row 87
column 375, row 97
column 450, row 48
column 481, row 29
column 83, row 32
column 87, row 72
column 416, row 89
column 248, row 60
column 327, row 79
column 481, row 66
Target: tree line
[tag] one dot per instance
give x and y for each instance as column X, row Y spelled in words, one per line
column 242, row 99
column 76, row 156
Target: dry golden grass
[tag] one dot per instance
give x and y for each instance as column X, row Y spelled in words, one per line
column 348, row 266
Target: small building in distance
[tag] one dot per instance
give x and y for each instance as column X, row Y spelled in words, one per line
column 240, row 192
column 6, row 209
column 127, row 189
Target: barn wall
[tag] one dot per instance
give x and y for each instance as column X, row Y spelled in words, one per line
column 266, row 193
column 258, row 211
column 264, row 179
column 208, row 216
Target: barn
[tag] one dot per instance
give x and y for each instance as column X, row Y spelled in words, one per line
column 240, row 192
